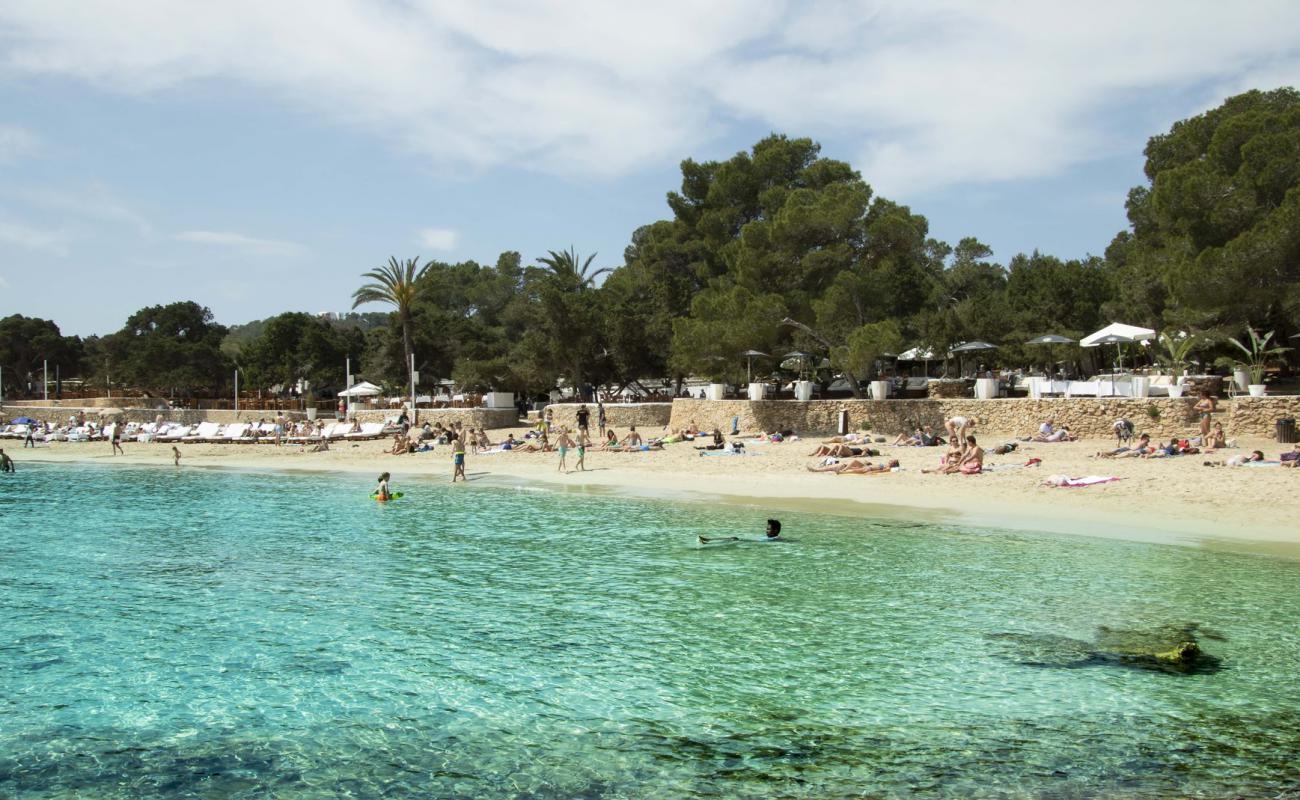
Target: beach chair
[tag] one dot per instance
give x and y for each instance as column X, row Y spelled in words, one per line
column 236, row 432
column 369, row 430
column 205, row 432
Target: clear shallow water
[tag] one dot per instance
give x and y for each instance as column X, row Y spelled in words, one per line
column 208, row 634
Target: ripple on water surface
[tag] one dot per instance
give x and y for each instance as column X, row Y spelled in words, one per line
column 190, row 633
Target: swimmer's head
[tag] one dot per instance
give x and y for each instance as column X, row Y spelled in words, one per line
column 773, row 528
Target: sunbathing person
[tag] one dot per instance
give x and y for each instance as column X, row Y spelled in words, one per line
column 1217, row 440
column 1242, row 460
column 1143, row 447
column 1048, row 433
column 906, row 440
column 611, row 440
column 848, row 438
column 718, row 441
column 855, row 467
column 633, row 439
column 969, row 461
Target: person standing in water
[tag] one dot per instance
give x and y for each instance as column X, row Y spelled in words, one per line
column 458, row 459
column 584, row 441
column 176, row 455
column 6, row 463
column 381, row 491
column 563, row 443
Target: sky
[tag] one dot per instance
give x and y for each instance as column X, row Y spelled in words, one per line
column 258, row 157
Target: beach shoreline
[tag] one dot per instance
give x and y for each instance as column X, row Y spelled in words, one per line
column 1172, row 501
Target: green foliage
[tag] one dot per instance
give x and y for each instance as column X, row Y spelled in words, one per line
column 397, row 283
column 1258, row 353
column 724, row 323
column 27, row 342
column 296, row 346
column 172, row 347
column 1177, row 349
column 866, row 345
column 1219, row 225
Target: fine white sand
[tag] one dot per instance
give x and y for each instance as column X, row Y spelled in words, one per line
column 1176, row 500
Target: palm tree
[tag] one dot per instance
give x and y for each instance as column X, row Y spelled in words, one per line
column 564, row 265
column 395, row 283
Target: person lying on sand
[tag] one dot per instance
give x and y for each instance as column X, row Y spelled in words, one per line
column 856, row 467
column 848, row 438
column 842, row 451
column 1240, row 460
column 1143, row 447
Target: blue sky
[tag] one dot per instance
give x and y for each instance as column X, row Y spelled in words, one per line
column 258, row 157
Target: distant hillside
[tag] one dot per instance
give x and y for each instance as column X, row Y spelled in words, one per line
column 241, row 335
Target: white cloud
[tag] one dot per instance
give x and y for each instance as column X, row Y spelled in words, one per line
column 238, row 241
column 438, row 238
column 925, row 94
column 92, row 202
column 30, row 238
column 4, row 284
column 16, row 143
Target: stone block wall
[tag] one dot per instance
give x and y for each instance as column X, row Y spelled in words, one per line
column 487, row 418
column 651, row 416
column 1086, row 417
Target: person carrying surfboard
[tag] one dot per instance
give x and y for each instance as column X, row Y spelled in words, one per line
column 773, row 534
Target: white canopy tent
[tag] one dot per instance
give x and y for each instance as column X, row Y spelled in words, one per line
column 1118, row 329
column 363, row 389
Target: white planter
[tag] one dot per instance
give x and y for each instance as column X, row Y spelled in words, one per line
column 499, row 400
column 1036, row 388
column 715, row 391
column 757, row 390
column 803, row 390
column 1176, row 390
column 879, row 390
column 1141, row 386
column 1256, row 389
column 1242, row 378
column 986, row 388
column 311, row 412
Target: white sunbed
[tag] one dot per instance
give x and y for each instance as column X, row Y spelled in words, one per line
column 206, row 431
column 236, row 432
column 369, row 430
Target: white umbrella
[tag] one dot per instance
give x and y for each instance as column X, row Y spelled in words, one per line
column 363, row 389
column 1133, row 332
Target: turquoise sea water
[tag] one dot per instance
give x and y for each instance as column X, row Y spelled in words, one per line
column 222, row 634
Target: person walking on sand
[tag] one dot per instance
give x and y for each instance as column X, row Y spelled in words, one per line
column 458, row 459
column 584, row 418
column 176, row 455
column 117, row 439
column 600, row 418
column 563, row 443
column 6, row 463
column 30, row 441
column 584, row 442
column 1206, row 407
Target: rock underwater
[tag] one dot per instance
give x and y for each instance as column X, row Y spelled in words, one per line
column 1167, row 648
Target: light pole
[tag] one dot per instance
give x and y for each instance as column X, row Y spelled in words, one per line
column 414, row 378
column 347, row 398
column 45, row 382
column 236, row 392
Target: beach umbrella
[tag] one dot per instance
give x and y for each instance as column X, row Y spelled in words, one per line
column 1133, row 332
column 1119, row 342
column 749, row 356
column 111, row 412
column 970, row 347
column 795, row 355
column 24, row 421
column 1051, row 339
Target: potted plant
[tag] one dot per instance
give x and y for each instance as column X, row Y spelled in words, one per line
column 1177, row 349
column 1257, row 358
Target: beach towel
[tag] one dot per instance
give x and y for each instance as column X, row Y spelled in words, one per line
column 1088, row 480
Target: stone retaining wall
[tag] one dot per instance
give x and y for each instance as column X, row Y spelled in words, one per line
column 1086, row 417
column 651, row 416
column 487, row 418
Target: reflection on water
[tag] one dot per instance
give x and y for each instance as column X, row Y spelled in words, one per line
column 176, row 634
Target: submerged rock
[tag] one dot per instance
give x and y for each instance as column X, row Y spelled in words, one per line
column 1171, row 648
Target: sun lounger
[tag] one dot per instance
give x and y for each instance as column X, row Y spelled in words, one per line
column 206, row 432
column 236, row 432
column 369, row 430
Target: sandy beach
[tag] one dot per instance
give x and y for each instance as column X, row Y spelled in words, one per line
column 1175, row 500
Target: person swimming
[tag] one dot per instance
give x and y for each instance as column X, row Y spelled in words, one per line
column 773, row 534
